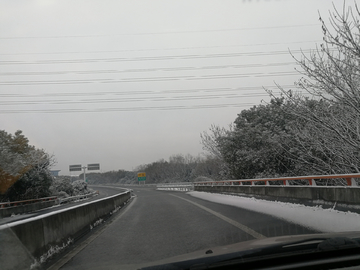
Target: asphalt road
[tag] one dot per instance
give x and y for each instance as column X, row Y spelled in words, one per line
column 162, row 224
column 103, row 192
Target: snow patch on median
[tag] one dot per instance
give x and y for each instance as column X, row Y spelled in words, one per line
column 51, row 252
column 317, row 218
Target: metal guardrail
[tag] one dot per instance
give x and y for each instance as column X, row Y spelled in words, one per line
column 54, row 198
column 17, row 203
column 175, row 186
column 78, row 197
column 348, row 178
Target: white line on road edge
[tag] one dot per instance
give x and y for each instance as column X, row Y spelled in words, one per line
column 60, row 263
column 228, row 220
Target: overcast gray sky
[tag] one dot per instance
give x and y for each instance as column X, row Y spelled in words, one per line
column 124, row 83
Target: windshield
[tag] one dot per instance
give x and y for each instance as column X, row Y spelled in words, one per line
column 181, row 104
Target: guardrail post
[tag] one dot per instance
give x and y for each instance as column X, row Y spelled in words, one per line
column 252, row 183
column 267, row 183
column 351, row 182
column 312, row 182
column 286, row 183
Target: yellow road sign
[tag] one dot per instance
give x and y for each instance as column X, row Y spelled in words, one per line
column 142, row 176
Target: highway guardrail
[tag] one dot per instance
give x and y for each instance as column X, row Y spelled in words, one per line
column 175, row 186
column 345, row 179
column 78, row 197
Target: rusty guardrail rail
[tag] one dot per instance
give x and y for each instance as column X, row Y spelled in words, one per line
column 17, row 203
column 349, row 180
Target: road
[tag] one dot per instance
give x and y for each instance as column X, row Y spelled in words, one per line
column 103, row 192
column 162, row 224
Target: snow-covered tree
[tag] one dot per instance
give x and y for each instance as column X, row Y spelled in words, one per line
column 80, row 187
column 62, row 186
column 252, row 148
column 24, row 170
column 330, row 139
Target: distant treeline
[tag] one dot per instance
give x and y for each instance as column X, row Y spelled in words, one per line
column 179, row 168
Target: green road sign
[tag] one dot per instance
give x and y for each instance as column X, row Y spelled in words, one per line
column 142, row 176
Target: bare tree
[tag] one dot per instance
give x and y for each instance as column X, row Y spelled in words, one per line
column 210, row 140
column 329, row 135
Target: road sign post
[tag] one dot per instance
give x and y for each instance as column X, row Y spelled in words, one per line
column 90, row 167
column 84, row 168
column 141, row 177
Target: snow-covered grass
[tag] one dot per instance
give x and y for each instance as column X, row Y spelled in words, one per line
column 317, row 218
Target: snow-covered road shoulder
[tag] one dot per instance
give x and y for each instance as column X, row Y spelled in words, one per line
column 317, row 218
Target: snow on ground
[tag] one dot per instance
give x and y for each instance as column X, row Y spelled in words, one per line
column 325, row 220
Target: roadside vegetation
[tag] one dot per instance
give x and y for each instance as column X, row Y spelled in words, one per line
column 25, row 172
column 311, row 130
column 64, row 186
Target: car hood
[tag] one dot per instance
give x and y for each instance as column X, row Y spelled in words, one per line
column 211, row 254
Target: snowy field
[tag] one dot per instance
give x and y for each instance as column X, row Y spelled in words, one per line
column 325, row 220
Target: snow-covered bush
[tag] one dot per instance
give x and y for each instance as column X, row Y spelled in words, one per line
column 62, row 187
column 80, row 187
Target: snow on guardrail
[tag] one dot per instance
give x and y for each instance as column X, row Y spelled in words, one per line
column 78, row 197
column 175, row 186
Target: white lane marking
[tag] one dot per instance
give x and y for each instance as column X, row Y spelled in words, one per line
column 228, row 220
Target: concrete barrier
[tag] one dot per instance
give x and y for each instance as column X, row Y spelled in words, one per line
column 37, row 235
column 344, row 195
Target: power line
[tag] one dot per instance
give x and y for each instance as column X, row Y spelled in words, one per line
column 185, row 68
column 162, row 49
column 133, row 99
column 155, row 96
column 153, row 79
column 143, row 92
column 149, row 58
column 163, row 33
column 175, row 107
